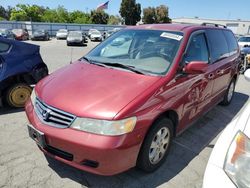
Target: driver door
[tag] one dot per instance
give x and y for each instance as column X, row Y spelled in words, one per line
column 199, row 86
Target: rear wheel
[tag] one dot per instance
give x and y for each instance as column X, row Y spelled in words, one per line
column 156, row 145
column 17, row 95
column 229, row 93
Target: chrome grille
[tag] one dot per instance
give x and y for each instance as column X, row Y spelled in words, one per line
column 52, row 116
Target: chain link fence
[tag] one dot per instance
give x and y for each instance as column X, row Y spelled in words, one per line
column 52, row 28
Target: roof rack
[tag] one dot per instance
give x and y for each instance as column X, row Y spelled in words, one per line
column 213, row 24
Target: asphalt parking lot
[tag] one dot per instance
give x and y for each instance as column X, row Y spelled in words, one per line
column 23, row 165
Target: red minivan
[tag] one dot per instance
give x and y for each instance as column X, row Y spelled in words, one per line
column 122, row 104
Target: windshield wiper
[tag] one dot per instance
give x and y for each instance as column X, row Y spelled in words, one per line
column 92, row 62
column 127, row 67
column 86, row 59
column 106, row 64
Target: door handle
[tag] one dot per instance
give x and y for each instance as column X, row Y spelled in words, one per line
column 211, row 76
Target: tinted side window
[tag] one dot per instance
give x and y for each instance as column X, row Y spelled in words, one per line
column 218, row 45
column 231, row 41
column 4, row 47
column 197, row 49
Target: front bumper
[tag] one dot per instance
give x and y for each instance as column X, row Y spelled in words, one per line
column 216, row 177
column 96, row 38
column 61, row 36
column 112, row 154
column 38, row 38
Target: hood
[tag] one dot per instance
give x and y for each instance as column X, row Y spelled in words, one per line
column 96, row 35
column 87, row 90
column 38, row 34
column 242, row 44
column 74, row 38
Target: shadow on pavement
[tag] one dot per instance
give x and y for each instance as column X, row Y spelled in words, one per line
column 8, row 110
column 184, row 149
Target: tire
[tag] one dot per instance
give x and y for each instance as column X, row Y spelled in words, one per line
column 229, row 93
column 17, row 95
column 151, row 150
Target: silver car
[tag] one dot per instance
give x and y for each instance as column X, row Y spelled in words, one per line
column 61, row 34
column 96, row 36
column 75, row 38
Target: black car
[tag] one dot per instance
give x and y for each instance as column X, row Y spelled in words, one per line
column 21, row 66
column 40, row 35
column 6, row 33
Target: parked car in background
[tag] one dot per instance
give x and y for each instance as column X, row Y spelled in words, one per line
column 40, row 35
column 122, row 104
column 61, row 34
column 96, row 36
column 85, row 37
column 245, row 58
column 75, row 38
column 244, row 41
column 6, row 33
column 107, row 34
column 21, row 65
column 228, row 165
column 21, row 34
column 90, row 32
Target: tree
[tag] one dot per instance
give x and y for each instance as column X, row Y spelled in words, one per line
column 26, row 13
column 58, row 15
column 62, row 14
column 80, row 17
column 5, row 13
column 161, row 13
column 156, row 15
column 50, row 15
column 130, row 11
column 99, row 17
column 114, row 20
column 149, row 16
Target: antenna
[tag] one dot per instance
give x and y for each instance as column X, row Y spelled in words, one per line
column 71, row 54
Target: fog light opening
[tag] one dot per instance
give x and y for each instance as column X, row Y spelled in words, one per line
column 90, row 163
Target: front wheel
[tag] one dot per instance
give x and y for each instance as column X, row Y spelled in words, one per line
column 156, row 145
column 17, row 95
column 229, row 93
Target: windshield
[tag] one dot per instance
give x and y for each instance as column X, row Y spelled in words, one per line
column 3, row 31
column 62, row 31
column 96, row 33
column 75, row 34
column 148, row 51
column 39, row 32
column 17, row 31
column 244, row 39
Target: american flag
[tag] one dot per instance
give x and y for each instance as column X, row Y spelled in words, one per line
column 103, row 6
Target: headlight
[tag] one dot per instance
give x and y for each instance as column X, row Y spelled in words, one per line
column 237, row 163
column 104, row 127
column 33, row 97
column 248, row 58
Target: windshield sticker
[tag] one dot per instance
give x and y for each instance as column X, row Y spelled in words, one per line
column 171, row 36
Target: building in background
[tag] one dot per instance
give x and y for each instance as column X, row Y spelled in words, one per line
column 239, row 27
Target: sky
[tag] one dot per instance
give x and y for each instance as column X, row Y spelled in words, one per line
column 214, row 9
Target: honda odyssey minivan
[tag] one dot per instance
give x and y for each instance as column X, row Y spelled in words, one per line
column 122, row 104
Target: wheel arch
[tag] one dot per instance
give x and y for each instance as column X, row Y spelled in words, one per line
column 24, row 77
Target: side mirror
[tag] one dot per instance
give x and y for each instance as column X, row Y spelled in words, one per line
column 247, row 75
column 196, row 67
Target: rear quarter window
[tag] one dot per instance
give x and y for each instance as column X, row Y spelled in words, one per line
column 4, row 47
column 218, row 44
column 231, row 41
